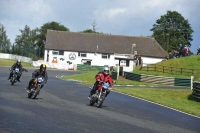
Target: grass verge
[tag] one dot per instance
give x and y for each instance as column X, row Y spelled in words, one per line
column 10, row 62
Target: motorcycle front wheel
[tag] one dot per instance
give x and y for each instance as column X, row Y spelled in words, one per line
column 100, row 102
column 13, row 80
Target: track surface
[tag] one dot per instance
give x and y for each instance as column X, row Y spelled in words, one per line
column 63, row 107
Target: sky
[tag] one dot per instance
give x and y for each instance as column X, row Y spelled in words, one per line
column 116, row 17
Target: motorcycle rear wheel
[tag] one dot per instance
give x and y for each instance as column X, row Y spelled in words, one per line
column 30, row 95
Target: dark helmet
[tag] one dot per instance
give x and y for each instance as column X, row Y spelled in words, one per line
column 18, row 62
column 43, row 67
column 106, row 70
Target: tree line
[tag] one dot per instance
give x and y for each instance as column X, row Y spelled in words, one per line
column 171, row 31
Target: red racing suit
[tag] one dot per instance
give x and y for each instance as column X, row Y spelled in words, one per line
column 105, row 78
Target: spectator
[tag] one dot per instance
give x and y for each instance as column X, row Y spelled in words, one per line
column 140, row 60
column 198, row 50
column 186, row 51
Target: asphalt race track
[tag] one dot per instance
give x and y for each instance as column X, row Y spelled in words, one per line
column 63, row 107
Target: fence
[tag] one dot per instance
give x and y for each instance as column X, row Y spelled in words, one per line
column 89, row 67
column 169, row 69
column 159, row 79
column 15, row 57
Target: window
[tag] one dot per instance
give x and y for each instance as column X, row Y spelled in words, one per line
column 82, row 54
column 60, row 52
column 127, row 63
column 105, row 56
column 55, row 52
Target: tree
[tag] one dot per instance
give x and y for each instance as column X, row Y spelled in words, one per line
column 41, row 37
column 93, row 30
column 172, row 30
column 5, row 44
column 88, row 31
column 26, row 42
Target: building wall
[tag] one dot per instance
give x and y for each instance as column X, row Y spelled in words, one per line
column 96, row 60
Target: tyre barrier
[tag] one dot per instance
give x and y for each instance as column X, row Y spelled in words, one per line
column 196, row 90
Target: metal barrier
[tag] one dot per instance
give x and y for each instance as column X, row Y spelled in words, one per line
column 196, row 90
column 159, row 79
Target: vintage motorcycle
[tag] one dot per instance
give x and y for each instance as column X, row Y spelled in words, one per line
column 99, row 96
column 16, row 72
column 35, row 88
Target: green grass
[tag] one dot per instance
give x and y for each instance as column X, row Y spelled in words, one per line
column 88, row 77
column 10, row 62
column 189, row 62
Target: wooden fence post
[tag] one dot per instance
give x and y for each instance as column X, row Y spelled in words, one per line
column 192, row 78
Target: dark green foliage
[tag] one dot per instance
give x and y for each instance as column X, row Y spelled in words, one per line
column 88, row 31
column 5, row 44
column 41, row 37
column 31, row 42
column 172, row 30
column 25, row 44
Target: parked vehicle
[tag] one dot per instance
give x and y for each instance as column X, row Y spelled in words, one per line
column 35, row 89
column 16, row 72
column 99, row 96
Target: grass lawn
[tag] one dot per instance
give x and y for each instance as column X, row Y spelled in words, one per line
column 9, row 63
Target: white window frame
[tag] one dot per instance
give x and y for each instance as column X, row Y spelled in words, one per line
column 53, row 52
column 80, row 54
column 57, row 52
column 105, row 56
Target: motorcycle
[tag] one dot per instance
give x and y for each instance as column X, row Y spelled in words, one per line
column 16, row 73
column 99, row 96
column 35, row 89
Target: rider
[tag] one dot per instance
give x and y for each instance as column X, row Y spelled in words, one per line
column 39, row 72
column 101, row 76
column 16, row 65
column 198, row 50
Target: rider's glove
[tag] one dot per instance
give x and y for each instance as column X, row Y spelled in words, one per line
column 112, row 86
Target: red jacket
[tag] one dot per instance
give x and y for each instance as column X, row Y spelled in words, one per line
column 102, row 77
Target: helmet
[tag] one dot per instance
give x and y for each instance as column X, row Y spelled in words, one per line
column 18, row 62
column 43, row 67
column 106, row 70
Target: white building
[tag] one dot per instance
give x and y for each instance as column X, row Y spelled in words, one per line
column 63, row 48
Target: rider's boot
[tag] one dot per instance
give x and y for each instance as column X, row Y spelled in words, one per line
column 18, row 79
column 90, row 95
column 27, row 89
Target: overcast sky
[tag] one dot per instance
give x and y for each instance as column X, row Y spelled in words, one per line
column 117, row 17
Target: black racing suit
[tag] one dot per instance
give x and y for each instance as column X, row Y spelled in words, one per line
column 36, row 74
column 15, row 65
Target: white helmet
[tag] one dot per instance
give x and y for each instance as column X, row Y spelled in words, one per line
column 106, row 70
column 18, row 62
